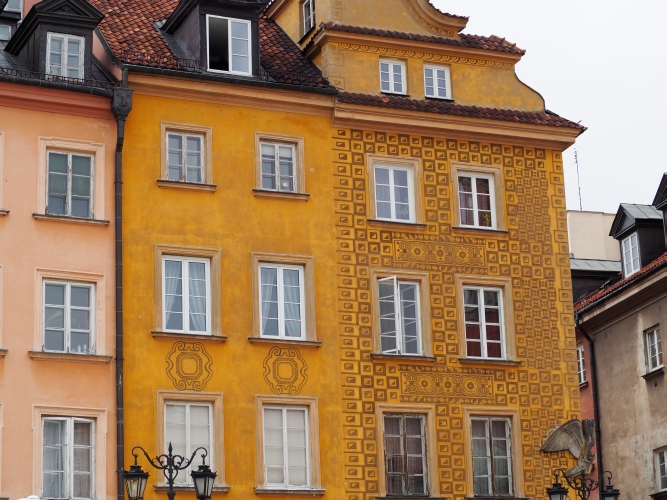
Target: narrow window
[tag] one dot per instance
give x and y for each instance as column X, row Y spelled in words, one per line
column 492, row 456
column 68, row 317
column 631, row 254
column 400, row 331
column 476, row 200
column 394, row 193
column 13, row 6
column 5, row 32
column 308, row 7
column 436, row 82
column 286, row 447
column 392, row 76
column 662, row 471
column 69, row 184
column 405, row 455
column 185, row 158
column 581, row 365
column 67, row 458
column 484, row 323
column 186, row 295
column 188, row 426
column 282, row 301
column 228, row 45
column 654, row 350
column 65, row 55
column 278, row 167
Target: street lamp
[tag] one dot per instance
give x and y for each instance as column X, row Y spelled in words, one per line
column 135, row 479
column 609, row 492
column 582, row 485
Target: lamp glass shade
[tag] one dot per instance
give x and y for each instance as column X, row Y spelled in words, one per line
column 203, row 479
column 557, row 492
column 609, row 493
column 135, row 482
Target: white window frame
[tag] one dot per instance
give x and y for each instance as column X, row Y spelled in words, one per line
column 392, row 197
column 398, row 317
column 492, row 192
column 281, row 300
column 184, row 137
column 276, row 159
column 67, row 308
column 448, row 83
column 510, row 449
column 309, row 458
column 9, row 9
column 308, row 21
column 581, row 364
column 210, row 458
column 482, row 322
column 392, row 80
column 70, row 452
column 69, row 182
column 186, row 297
column 229, row 42
column 9, row 30
column 66, row 39
column 652, row 339
column 661, row 469
column 633, row 251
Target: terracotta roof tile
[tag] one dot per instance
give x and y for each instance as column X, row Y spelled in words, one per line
column 449, row 108
column 492, row 42
column 601, row 293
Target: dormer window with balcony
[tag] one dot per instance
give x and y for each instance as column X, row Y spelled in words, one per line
column 228, row 45
column 65, row 55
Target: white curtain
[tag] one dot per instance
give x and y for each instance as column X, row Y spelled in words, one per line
column 197, row 289
column 269, row 281
column 173, row 273
column 292, row 293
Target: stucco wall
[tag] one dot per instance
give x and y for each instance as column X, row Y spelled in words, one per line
column 589, row 236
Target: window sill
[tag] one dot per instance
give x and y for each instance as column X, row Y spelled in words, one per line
column 290, row 491
column 3, row 353
column 479, row 230
column 3, row 212
column 660, row 495
column 583, row 385
column 190, row 186
column 396, row 226
column 487, row 361
column 304, row 343
column 65, row 356
column 278, row 195
column 70, row 219
column 310, row 30
column 163, row 488
column 404, row 357
column 658, row 372
column 435, row 98
column 394, row 94
column 183, row 336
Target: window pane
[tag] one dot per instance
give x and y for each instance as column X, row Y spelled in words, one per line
column 198, row 292
column 269, row 301
column 218, row 44
column 388, row 336
column 54, row 459
column 410, row 316
column 173, row 294
column 292, row 305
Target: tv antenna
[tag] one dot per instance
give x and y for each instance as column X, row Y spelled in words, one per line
column 576, row 161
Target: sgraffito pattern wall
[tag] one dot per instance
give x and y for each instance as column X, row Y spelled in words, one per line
column 533, row 253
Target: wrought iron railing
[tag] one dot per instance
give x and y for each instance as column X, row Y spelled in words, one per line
column 160, row 60
column 45, row 77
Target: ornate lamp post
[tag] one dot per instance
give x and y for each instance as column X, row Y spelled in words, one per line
column 135, row 479
column 582, row 485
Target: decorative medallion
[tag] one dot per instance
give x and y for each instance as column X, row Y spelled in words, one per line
column 285, row 370
column 189, row 366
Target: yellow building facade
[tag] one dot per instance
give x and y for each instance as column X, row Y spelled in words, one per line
column 391, row 316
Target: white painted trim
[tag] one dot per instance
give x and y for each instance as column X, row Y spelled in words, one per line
column 66, row 40
column 448, row 81
column 482, row 321
column 492, row 192
column 185, row 287
column 229, row 42
column 281, row 299
column 392, row 82
column 67, row 307
column 392, row 201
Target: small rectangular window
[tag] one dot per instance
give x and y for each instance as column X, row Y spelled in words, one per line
column 13, row 6
column 67, row 458
column 186, row 295
column 631, row 255
column 228, row 45
column 69, row 184
column 308, row 13
column 654, row 350
column 400, row 321
column 662, row 470
column 394, row 193
column 581, row 365
column 5, row 32
column 477, row 200
column 65, row 55
column 189, row 426
column 278, row 167
column 436, row 82
column 286, row 446
column 185, row 158
column 282, row 301
column 405, row 455
column 484, row 322
column 392, row 77
column 492, row 456
column 68, row 317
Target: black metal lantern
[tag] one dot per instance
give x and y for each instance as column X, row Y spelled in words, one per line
column 203, row 479
column 609, row 492
column 557, row 491
column 135, row 482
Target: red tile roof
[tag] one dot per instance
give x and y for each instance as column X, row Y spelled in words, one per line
column 128, row 28
column 601, row 293
column 449, row 108
column 492, row 42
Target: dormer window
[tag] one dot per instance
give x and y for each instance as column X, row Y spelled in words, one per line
column 65, row 55
column 13, row 6
column 308, row 12
column 630, row 247
column 5, row 32
column 228, row 45
column 392, row 76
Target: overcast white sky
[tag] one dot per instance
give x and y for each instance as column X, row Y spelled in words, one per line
column 601, row 62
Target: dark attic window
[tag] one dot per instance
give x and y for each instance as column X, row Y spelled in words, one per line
column 228, row 45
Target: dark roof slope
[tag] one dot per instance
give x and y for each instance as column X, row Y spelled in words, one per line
column 629, row 214
column 660, row 200
column 448, row 108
